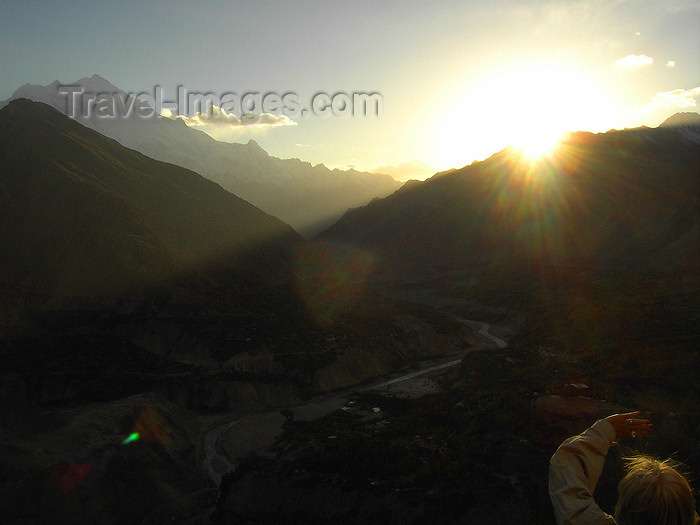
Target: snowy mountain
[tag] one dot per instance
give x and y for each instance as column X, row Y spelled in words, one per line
column 687, row 124
column 308, row 197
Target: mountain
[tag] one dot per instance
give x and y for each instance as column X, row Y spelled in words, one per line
column 307, row 197
column 82, row 215
column 629, row 198
column 133, row 291
column 687, row 124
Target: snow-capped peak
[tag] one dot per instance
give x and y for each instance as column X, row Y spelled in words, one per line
column 54, row 96
column 685, row 123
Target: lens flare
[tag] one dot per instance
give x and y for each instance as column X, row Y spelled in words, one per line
column 331, row 278
column 132, row 437
column 152, row 426
column 70, row 475
column 537, row 145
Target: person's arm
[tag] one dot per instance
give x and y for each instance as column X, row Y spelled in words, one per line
column 573, row 473
column 576, row 466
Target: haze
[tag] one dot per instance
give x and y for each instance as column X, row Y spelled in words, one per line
column 459, row 79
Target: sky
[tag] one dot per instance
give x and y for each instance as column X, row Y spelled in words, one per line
column 458, row 80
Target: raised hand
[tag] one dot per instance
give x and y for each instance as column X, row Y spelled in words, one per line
column 629, row 425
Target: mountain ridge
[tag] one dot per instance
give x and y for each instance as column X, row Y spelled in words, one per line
column 686, row 123
column 85, row 215
column 308, row 197
column 623, row 197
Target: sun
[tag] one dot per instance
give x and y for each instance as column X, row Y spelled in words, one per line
column 538, row 143
column 549, row 99
column 529, row 105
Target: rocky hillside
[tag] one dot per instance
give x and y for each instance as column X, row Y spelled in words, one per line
column 131, row 460
column 478, row 450
column 134, row 291
column 84, row 216
column 628, row 198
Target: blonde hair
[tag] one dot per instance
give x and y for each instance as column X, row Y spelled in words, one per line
column 654, row 493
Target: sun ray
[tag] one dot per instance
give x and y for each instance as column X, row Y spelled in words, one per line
column 529, row 105
column 536, row 145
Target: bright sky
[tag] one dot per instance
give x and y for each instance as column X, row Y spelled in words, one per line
column 459, row 79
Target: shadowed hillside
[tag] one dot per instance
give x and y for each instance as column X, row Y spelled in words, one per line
column 134, row 292
column 82, row 215
column 627, row 197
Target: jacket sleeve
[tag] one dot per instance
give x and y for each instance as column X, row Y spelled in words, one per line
column 573, row 473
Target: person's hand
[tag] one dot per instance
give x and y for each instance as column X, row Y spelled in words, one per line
column 628, row 425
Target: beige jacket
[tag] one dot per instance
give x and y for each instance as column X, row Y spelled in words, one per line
column 573, row 473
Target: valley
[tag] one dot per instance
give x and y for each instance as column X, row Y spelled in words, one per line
column 349, row 263
column 476, row 440
column 170, row 349
column 268, row 429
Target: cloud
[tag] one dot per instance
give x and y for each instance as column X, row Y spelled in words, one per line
column 676, row 99
column 268, row 119
column 635, row 61
column 415, row 169
column 661, row 106
column 671, row 63
column 218, row 117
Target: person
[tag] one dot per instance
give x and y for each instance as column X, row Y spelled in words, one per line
column 652, row 491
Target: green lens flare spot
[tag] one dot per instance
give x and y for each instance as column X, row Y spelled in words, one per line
column 131, row 438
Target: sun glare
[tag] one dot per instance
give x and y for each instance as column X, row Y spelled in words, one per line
column 527, row 105
column 539, row 143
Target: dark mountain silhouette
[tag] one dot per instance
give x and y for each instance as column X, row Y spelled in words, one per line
column 628, row 197
column 114, row 262
column 119, row 275
column 310, row 198
column 132, row 290
column 82, row 215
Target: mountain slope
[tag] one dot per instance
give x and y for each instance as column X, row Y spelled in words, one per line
column 83, row 215
column 624, row 197
column 308, row 197
column 686, row 123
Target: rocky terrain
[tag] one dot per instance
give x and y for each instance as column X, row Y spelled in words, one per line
column 96, row 383
column 123, row 276
column 160, row 336
column 625, row 198
column 132, row 460
column 477, row 450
